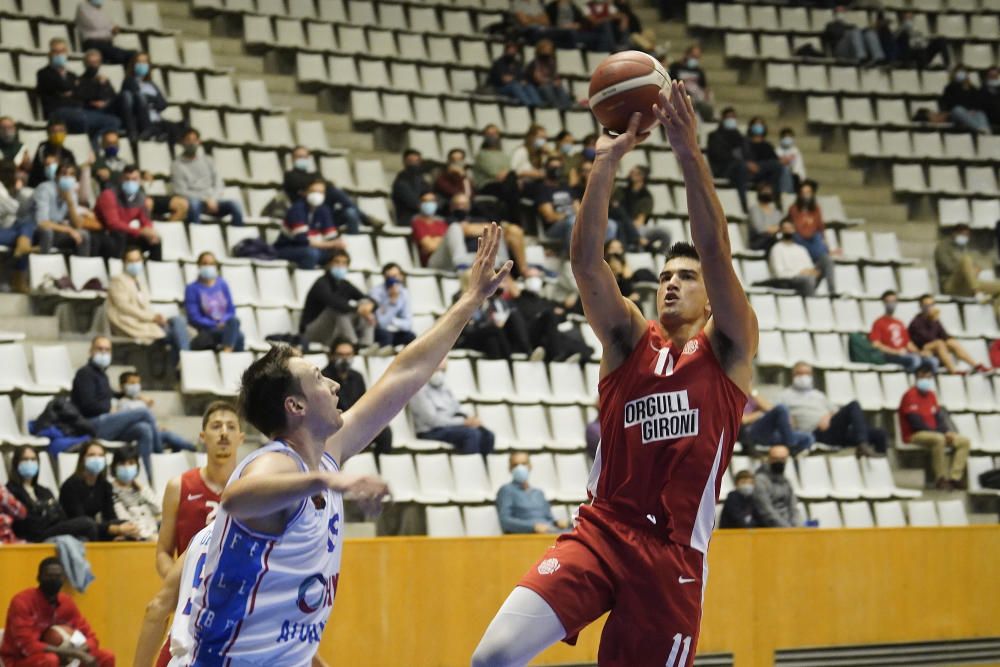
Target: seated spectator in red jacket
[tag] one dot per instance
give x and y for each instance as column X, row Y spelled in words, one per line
column 11, row 510
column 122, row 210
column 429, row 229
column 890, row 337
column 35, row 610
column 931, row 338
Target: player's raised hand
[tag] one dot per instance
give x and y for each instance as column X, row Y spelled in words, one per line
column 675, row 111
column 615, row 147
column 483, row 279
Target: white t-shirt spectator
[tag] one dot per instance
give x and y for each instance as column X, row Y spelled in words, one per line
column 797, row 165
column 789, row 259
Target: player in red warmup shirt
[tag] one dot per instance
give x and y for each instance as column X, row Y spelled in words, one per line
column 672, row 392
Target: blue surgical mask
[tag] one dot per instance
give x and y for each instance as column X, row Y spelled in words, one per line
column 428, row 208
column 692, row 63
column 520, row 473
column 111, row 151
column 141, row 69
column 925, row 385
column 787, row 142
column 566, row 149
column 589, row 154
column 50, row 170
column 97, row 3
column 729, row 123
column 134, row 269
column 67, row 183
column 131, row 188
column 961, row 75
column 339, row 272
column 58, row 60
column 95, row 464
column 132, row 389
column 757, row 129
column 304, row 164
column 27, row 469
column 208, row 272
column 101, row 359
column 126, row 473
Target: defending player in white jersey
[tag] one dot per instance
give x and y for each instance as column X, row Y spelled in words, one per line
column 273, row 563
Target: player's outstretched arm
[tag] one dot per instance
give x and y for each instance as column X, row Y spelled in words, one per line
column 418, row 360
column 732, row 317
column 616, row 321
column 154, row 623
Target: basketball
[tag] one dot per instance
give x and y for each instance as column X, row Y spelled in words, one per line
column 57, row 635
column 623, row 84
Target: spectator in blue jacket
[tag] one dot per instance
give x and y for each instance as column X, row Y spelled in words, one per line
column 210, row 309
column 393, row 310
column 309, row 233
column 522, row 507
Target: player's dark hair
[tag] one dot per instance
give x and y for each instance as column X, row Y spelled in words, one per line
column 51, row 560
column 886, row 294
column 217, row 406
column 265, row 386
column 682, row 249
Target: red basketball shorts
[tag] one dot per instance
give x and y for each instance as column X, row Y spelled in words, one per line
column 652, row 587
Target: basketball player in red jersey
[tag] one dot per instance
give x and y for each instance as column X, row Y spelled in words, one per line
column 190, row 500
column 672, row 392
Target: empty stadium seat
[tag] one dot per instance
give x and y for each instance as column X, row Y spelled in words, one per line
column 444, row 522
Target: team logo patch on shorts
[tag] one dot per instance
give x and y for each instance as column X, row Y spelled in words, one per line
column 548, row 566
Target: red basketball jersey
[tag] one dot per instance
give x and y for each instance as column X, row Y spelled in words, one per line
column 197, row 506
column 669, row 420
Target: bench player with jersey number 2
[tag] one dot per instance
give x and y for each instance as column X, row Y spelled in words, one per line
column 672, row 392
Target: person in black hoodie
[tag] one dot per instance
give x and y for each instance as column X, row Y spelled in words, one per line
column 764, row 164
column 58, row 91
column 93, row 89
column 507, row 76
column 352, row 386
column 88, row 493
column 46, row 517
column 410, row 184
column 964, row 102
column 728, row 152
column 738, row 510
column 304, row 172
column 990, row 92
column 335, row 308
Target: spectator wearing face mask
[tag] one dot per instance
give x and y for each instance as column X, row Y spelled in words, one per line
column 765, row 219
column 739, row 510
column 210, row 309
column 454, row 178
column 87, row 492
column 336, row 309
column 635, row 202
column 194, row 176
column 352, row 387
column 522, row 507
column 846, row 41
column 143, row 105
column 989, row 91
column 931, row 338
column 890, row 337
column 728, row 154
column 437, row 415
column 528, row 159
column 964, row 102
column 58, row 217
column 134, row 501
column 107, row 168
column 557, row 206
column 457, row 249
column 429, row 231
column 297, row 180
column 958, row 274
column 506, row 76
column 576, row 159
column 913, row 47
column 689, row 70
column 17, row 227
column 43, row 168
column 92, row 394
column 409, row 187
column 543, row 74
column 807, row 217
column 791, row 264
column 393, row 312
column 132, row 398
column 790, row 156
column 766, row 424
column 498, row 329
column 773, row 498
column 44, row 516
column 125, row 220
column 763, row 163
column 130, row 313
column 926, row 424
column 308, row 232
column 94, row 90
column 545, row 320
column 813, row 412
column 11, row 146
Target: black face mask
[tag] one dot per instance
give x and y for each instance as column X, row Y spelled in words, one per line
column 90, row 71
column 615, row 255
column 460, row 213
column 342, row 366
column 765, row 198
column 413, row 168
column 491, row 140
column 50, row 587
column 778, row 467
column 552, row 173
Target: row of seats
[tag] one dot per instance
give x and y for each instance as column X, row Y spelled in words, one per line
column 869, row 82
column 923, row 145
column 977, row 213
column 765, row 18
column 361, row 12
column 945, row 179
column 889, row 514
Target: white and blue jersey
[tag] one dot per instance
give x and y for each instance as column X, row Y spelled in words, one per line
column 266, row 599
column 195, row 556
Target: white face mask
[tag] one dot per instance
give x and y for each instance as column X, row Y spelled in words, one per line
column 803, row 382
column 533, row 284
column 436, row 379
column 962, row 239
column 745, row 489
column 132, row 389
column 315, row 199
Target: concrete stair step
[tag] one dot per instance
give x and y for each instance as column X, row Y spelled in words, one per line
column 167, row 405
column 880, row 213
column 833, row 178
column 278, row 83
column 297, row 101
column 173, row 9
column 244, row 65
column 823, row 160
column 230, row 46
column 186, row 426
column 35, row 327
column 869, row 194
column 747, row 110
column 334, row 122
column 15, row 304
column 737, row 93
column 190, row 27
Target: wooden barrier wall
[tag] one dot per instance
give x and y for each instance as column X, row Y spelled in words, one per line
column 423, row 602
